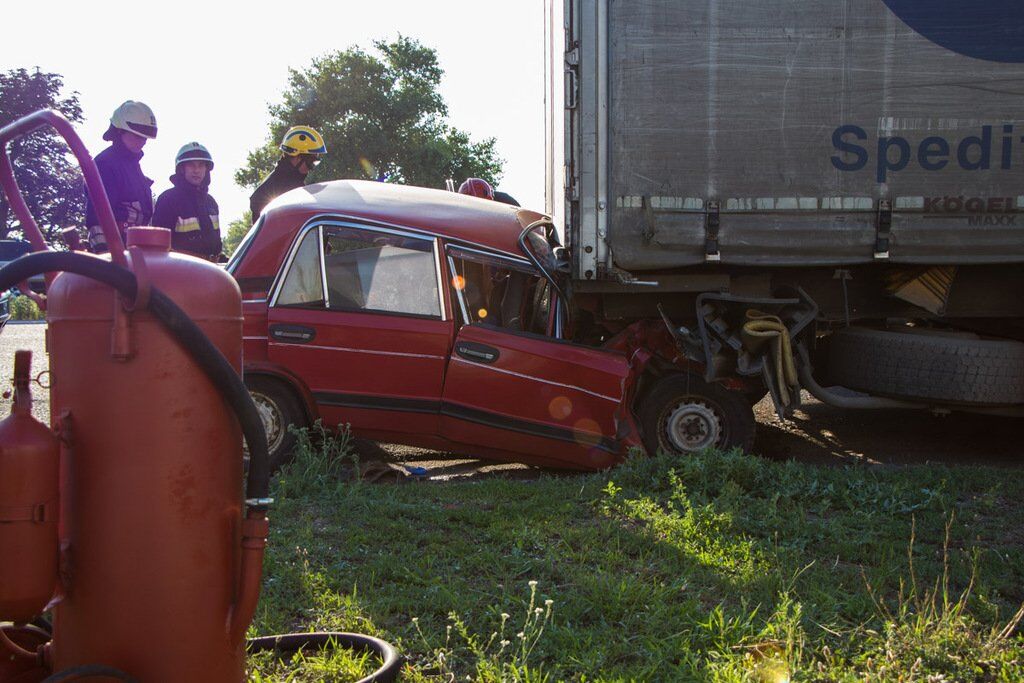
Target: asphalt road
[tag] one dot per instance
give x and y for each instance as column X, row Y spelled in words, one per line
column 31, row 336
column 817, row 433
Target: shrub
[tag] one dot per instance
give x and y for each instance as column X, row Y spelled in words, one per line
column 23, row 308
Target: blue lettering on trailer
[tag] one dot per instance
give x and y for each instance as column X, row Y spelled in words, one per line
column 934, row 153
column 992, row 30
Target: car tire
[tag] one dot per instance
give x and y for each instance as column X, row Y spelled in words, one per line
column 278, row 407
column 684, row 415
column 929, row 365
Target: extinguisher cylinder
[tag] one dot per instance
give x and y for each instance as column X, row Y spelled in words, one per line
column 153, row 493
column 29, row 462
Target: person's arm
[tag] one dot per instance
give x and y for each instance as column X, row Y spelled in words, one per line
column 258, row 201
column 216, row 241
column 147, row 204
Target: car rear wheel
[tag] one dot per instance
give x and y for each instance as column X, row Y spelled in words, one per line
column 278, row 408
column 683, row 414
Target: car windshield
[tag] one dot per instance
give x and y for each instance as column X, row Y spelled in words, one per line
column 239, row 252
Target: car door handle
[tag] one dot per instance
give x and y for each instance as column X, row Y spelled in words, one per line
column 478, row 353
column 293, row 334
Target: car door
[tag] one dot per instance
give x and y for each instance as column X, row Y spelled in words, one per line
column 357, row 314
column 513, row 390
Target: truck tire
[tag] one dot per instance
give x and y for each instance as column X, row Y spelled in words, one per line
column 926, row 364
column 278, row 407
column 683, row 415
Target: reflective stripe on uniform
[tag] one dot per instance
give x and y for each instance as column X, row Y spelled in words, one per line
column 187, row 225
column 192, row 224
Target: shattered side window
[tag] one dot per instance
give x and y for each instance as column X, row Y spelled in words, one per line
column 375, row 271
column 303, row 285
column 496, row 292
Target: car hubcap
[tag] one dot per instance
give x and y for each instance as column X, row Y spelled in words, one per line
column 692, row 427
column 270, row 415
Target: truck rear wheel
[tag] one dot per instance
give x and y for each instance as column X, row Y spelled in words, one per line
column 683, row 414
column 278, row 408
column 928, row 364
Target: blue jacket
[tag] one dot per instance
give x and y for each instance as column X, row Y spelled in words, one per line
column 128, row 190
column 191, row 214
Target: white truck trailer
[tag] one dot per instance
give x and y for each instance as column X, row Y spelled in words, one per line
column 826, row 195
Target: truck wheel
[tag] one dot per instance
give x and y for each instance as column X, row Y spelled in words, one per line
column 928, row 364
column 683, row 414
column 278, row 408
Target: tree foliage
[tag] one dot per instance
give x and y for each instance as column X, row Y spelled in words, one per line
column 50, row 179
column 382, row 117
column 237, row 231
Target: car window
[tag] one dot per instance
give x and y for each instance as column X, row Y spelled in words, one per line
column 239, row 253
column 376, row 271
column 303, row 285
column 501, row 293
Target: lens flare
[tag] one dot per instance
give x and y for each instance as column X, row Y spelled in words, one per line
column 586, row 432
column 368, row 168
column 459, row 282
column 560, row 407
column 482, row 313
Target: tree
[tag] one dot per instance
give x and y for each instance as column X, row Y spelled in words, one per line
column 49, row 178
column 382, row 117
column 237, row 230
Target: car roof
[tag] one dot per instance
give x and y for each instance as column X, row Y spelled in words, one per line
column 448, row 214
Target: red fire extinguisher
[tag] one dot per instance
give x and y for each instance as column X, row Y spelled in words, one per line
column 131, row 520
column 29, row 454
column 152, row 525
column 159, row 562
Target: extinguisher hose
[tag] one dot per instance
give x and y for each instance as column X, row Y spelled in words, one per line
column 294, row 642
column 189, row 335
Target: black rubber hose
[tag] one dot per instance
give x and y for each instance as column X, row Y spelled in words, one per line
column 859, row 402
column 77, row 673
column 293, row 642
column 191, row 338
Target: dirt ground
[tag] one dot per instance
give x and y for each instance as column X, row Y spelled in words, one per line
column 817, row 433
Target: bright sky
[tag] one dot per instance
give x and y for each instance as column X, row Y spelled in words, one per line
column 209, row 69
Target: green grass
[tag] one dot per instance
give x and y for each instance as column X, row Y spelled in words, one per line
column 721, row 567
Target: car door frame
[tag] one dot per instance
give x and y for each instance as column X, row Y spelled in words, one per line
column 375, row 415
column 501, row 430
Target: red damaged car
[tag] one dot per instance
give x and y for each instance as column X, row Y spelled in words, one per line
column 437, row 320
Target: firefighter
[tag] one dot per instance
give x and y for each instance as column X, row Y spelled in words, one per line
column 479, row 187
column 128, row 189
column 187, row 209
column 300, row 148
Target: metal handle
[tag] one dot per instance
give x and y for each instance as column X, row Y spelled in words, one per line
column 93, row 182
column 571, row 89
column 295, row 334
column 480, row 353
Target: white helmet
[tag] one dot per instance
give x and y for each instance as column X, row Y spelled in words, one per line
column 193, row 151
column 134, row 117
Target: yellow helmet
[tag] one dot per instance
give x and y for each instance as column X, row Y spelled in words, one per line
column 302, row 140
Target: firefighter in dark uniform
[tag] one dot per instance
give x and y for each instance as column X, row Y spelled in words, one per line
column 128, row 189
column 187, row 209
column 301, row 148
